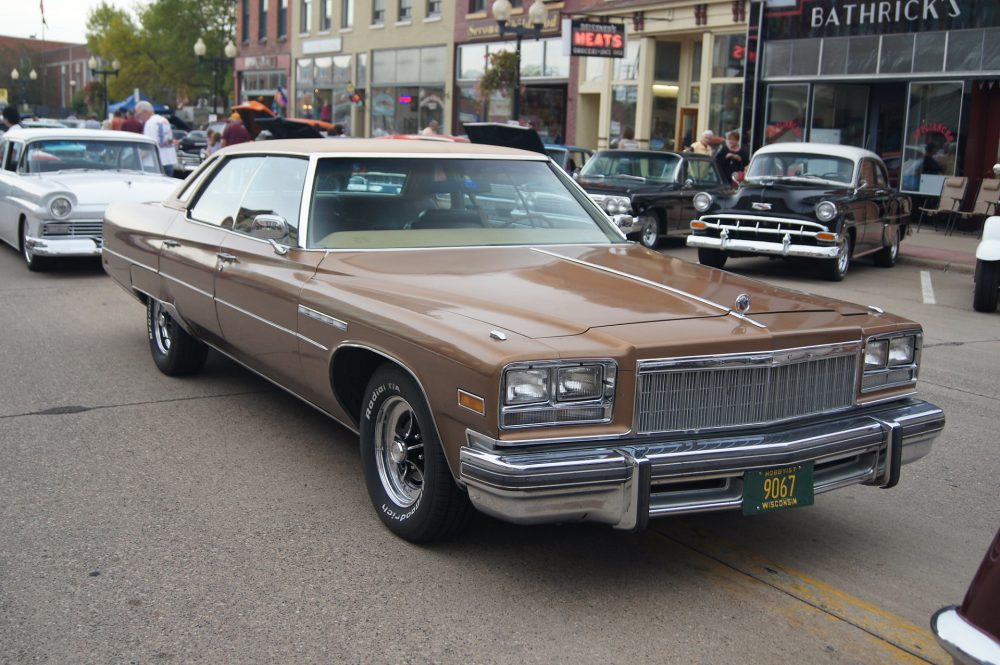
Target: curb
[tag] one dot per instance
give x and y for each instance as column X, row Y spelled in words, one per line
column 938, row 264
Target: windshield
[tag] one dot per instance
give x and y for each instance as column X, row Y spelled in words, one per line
column 91, row 155
column 382, row 203
column 801, row 167
column 646, row 167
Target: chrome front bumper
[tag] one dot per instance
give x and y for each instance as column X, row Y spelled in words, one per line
column 56, row 246
column 965, row 643
column 783, row 248
column 625, row 482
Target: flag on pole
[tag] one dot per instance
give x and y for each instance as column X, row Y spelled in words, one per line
column 41, row 7
column 279, row 98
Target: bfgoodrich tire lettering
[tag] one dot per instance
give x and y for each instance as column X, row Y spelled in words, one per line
column 405, row 470
column 174, row 351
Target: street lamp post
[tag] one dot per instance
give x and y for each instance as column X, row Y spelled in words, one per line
column 229, row 52
column 15, row 76
column 536, row 16
column 97, row 68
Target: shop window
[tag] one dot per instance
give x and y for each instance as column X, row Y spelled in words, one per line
column 838, row 115
column 407, row 65
column 965, row 51
column 928, row 52
column 668, row 61
column 383, row 67
column 694, row 94
column 346, row 14
column 725, row 113
column 472, row 59
column 623, row 101
column 729, row 56
column 432, row 63
column 304, row 73
column 932, row 124
column 627, row 68
column 786, row 113
column 805, row 57
column 862, row 55
column 323, row 72
column 777, row 59
column 834, row 57
column 361, row 74
column 532, row 58
column 897, row 54
column 664, row 117
column 593, row 69
column 991, row 50
column 556, row 62
column 469, row 107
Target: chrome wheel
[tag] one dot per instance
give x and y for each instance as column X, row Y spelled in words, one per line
column 163, row 328
column 650, row 233
column 843, row 254
column 399, row 452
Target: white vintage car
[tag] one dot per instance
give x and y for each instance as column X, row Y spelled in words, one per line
column 56, row 183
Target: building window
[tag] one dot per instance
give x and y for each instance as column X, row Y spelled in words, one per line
column 262, row 21
column 433, row 8
column 476, row 6
column 282, row 19
column 932, row 120
column 346, row 14
column 378, row 12
column 627, row 68
column 305, row 16
column 786, row 113
column 839, row 114
column 325, row 15
column 405, row 10
column 245, row 21
column 623, row 103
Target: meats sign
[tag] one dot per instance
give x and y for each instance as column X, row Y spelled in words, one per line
column 601, row 40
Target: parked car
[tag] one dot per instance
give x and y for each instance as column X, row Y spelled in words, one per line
column 568, row 157
column 970, row 632
column 258, row 118
column 190, row 151
column 656, row 188
column 987, row 287
column 498, row 343
column 827, row 202
column 56, row 183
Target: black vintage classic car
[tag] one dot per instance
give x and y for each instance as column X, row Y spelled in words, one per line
column 655, row 188
column 828, row 202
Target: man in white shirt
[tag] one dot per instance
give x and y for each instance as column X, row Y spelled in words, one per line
column 157, row 128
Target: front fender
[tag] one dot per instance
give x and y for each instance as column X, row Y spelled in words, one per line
column 989, row 246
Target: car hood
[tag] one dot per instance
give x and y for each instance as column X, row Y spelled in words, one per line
column 102, row 187
column 625, row 186
column 776, row 198
column 557, row 291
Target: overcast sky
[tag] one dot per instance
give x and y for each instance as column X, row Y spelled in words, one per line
column 66, row 19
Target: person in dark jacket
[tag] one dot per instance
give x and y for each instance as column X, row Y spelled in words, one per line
column 11, row 118
column 731, row 158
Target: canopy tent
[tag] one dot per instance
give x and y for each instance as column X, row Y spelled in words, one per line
column 128, row 104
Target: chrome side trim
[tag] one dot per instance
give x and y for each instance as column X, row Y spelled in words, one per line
column 274, row 325
column 963, row 641
column 183, row 283
column 323, row 318
column 657, row 285
column 130, row 260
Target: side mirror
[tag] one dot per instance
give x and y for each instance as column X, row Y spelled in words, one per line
column 862, row 185
column 269, row 227
column 689, row 183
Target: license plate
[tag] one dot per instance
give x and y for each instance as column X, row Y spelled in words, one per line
column 774, row 489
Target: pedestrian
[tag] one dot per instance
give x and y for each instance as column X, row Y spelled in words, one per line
column 704, row 145
column 158, row 128
column 731, row 158
column 214, row 142
column 234, row 132
column 11, row 118
column 117, row 120
column 92, row 122
column 627, row 141
column 431, row 129
column 130, row 124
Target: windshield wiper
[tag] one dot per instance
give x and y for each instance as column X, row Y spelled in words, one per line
column 626, row 176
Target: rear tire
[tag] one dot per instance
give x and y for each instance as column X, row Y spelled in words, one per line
column 886, row 257
column 984, row 298
column 713, row 258
column 175, row 352
column 404, row 466
column 835, row 269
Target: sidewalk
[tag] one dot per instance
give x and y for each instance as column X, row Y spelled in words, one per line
column 932, row 248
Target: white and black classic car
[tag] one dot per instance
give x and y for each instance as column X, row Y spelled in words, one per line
column 56, row 183
column 832, row 203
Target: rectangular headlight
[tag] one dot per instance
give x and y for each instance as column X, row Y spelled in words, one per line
column 526, row 386
column 901, row 350
column 579, row 383
column 876, row 354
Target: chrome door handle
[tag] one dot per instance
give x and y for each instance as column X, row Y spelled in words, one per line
column 228, row 258
column 171, row 243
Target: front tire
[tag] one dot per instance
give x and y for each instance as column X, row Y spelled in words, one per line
column 405, row 470
column 984, row 298
column 650, row 234
column 713, row 258
column 175, row 352
column 34, row 263
column 835, row 269
column 886, row 257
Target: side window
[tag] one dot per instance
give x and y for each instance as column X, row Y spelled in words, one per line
column 13, row 155
column 218, row 201
column 276, row 189
column 881, row 177
column 703, row 172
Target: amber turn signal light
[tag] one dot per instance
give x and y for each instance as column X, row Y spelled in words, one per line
column 472, row 402
column 826, row 237
column 698, row 225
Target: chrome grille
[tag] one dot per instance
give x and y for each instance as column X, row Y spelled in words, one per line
column 89, row 229
column 729, row 391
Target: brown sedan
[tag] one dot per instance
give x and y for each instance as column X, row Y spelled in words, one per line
column 498, row 344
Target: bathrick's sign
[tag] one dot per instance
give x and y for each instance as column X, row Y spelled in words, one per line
column 796, row 19
column 600, row 40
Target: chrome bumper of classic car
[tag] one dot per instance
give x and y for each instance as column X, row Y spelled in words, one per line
column 781, row 236
column 64, row 246
column 625, row 482
column 964, row 642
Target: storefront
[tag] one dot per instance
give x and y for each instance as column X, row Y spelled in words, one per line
column 407, row 89
column 683, row 73
column 914, row 80
column 260, row 76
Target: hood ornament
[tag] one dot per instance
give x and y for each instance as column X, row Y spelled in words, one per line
column 743, row 303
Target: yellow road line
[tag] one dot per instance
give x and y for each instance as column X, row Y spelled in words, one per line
column 903, row 640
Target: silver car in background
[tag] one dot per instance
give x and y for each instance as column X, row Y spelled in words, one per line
column 55, row 185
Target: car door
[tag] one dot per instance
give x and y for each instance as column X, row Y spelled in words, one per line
column 10, row 151
column 190, row 257
column 870, row 208
column 258, row 282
